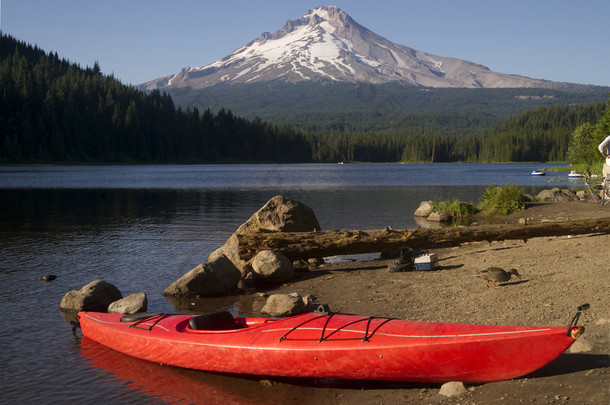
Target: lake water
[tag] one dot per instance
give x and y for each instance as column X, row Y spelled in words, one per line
column 142, row 227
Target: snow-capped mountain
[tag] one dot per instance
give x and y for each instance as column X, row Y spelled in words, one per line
column 326, row 43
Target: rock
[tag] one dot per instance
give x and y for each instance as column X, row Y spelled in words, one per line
column 452, row 389
column 569, row 195
column 272, row 267
column 315, row 262
column 284, row 305
column 424, row 209
column 581, row 345
column 581, row 194
column 556, row 194
column 212, row 279
column 546, row 194
column 230, row 250
column 301, row 265
column 47, row 277
column 439, row 216
column 278, row 214
column 309, row 299
column 95, row 296
column 129, row 305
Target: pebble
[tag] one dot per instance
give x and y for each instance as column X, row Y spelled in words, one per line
column 582, row 345
column 452, row 389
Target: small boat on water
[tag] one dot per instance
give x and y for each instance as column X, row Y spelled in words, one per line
column 538, row 173
column 323, row 345
column 575, row 175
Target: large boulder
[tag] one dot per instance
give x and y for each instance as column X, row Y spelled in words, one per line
column 426, row 218
column 95, row 296
column 284, row 305
column 278, row 214
column 272, row 267
column 557, row 194
column 215, row 278
column 439, row 216
column 424, row 209
column 129, row 305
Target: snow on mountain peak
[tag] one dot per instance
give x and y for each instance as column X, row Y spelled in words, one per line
column 326, row 43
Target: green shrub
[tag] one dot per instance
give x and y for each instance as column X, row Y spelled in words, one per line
column 455, row 208
column 502, row 200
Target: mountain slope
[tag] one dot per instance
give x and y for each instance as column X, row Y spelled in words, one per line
column 327, row 44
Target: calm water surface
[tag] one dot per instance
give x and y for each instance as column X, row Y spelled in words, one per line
column 142, row 227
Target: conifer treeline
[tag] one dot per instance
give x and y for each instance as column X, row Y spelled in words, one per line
column 542, row 134
column 54, row 111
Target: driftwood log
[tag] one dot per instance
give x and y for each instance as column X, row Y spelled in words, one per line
column 305, row 245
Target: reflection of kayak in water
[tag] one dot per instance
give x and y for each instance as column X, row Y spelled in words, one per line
column 171, row 385
column 333, row 346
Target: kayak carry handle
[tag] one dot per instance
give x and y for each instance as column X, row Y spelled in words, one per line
column 579, row 310
column 322, row 309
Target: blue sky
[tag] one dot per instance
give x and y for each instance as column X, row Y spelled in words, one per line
column 140, row 40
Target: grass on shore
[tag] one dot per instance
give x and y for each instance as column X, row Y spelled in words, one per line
column 497, row 200
column 579, row 167
column 455, row 208
column 502, row 200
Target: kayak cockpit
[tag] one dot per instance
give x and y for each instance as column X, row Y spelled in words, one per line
column 215, row 321
column 223, row 320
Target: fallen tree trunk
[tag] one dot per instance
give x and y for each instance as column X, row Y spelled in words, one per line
column 305, row 245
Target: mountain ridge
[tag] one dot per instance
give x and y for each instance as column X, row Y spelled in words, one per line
column 326, row 43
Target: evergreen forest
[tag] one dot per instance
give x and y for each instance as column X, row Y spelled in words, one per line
column 54, row 111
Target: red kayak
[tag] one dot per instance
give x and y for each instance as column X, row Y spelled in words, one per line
column 333, row 345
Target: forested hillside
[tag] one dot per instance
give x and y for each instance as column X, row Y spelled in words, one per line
column 542, row 134
column 54, row 111
column 326, row 106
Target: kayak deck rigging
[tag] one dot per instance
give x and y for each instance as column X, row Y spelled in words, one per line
column 225, row 321
column 322, row 337
column 145, row 317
